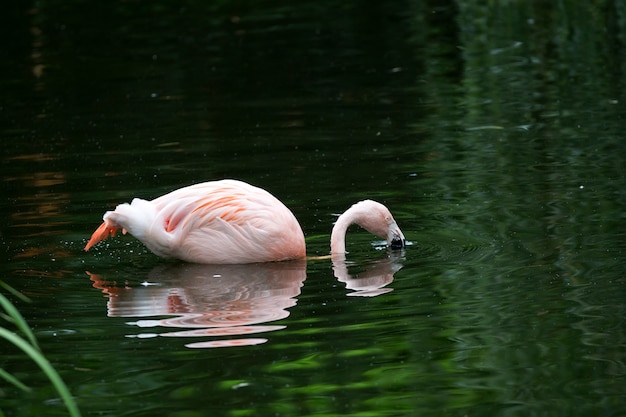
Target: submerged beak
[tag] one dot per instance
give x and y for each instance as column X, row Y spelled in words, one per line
column 395, row 238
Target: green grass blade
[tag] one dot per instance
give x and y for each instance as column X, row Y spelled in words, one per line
column 18, row 320
column 45, row 366
column 13, row 380
column 13, row 291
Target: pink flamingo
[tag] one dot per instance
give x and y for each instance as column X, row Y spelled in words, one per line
column 232, row 222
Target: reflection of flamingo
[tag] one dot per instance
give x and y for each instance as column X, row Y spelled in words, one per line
column 373, row 280
column 209, row 300
column 258, row 292
column 215, row 301
column 229, row 222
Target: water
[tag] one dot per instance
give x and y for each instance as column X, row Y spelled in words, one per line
column 494, row 135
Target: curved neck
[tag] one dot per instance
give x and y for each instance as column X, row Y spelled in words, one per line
column 338, row 235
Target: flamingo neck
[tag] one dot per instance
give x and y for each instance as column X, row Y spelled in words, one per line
column 338, row 235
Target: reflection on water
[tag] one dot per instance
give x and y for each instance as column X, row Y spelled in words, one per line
column 212, row 300
column 374, row 279
column 228, row 300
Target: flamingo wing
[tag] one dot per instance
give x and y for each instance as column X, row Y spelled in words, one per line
column 229, row 222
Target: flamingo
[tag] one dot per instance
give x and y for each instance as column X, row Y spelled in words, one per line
column 232, row 222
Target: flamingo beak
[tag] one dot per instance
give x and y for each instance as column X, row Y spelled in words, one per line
column 395, row 238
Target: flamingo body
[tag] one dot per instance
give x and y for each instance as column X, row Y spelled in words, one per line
column 218, row 222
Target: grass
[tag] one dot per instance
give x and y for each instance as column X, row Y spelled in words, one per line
column 28, row 344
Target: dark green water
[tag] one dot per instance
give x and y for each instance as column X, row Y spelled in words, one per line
column 495, row 134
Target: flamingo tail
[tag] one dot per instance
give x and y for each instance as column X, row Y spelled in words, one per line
column 101, row 233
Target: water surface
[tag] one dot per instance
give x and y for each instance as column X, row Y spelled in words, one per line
column 493, row 133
